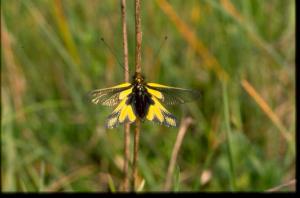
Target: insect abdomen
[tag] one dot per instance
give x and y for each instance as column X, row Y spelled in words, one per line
column 140, row 100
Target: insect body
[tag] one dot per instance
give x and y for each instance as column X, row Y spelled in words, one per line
column 140, row 100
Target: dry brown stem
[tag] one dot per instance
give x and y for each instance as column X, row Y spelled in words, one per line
column 182, row 130
column 138, row 32
column 126, row 76
column 290, row 183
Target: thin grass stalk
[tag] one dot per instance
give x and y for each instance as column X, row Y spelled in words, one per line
column 126, row 77
column 66, row 179
column 209, row 60
column 15, row 75
column 65, row 31
column 290, row 184
column 138, row 69
column 230, row 9
column 135, row 155
column 68, row 39
column 42, row 176
column 228, row 136
column 181, row 133
column 267, row 110
column 138, row 33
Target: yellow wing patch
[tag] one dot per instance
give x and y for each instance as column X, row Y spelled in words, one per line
column 154, row 112
column 155, row 93
column 126, row 113
column 125, row 93
column 158, row 85
column 158, row 113
column 122, row 113
column 121, row 85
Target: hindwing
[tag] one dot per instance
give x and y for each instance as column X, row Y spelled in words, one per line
column 158, row 113
column 122, row 113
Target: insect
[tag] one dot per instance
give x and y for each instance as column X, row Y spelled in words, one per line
column 141, row 100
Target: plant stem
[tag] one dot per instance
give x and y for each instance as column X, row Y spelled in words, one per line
column 138, row 33
column 138, row 69
column 181, row 133
column 135, row 154
column 125, row 42
column 126, row 76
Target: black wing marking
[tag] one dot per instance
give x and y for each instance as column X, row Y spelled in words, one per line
column 174, row 95
column 108, row 96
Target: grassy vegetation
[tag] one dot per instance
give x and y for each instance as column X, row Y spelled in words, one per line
column 240, row 54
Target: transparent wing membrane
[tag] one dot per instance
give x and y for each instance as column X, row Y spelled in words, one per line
column 110, row 96
column 172, row 95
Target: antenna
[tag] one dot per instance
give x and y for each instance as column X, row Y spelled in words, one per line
column 161, row 45
column 111, row 51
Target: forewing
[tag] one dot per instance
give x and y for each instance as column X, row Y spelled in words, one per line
column 110, row 96
column 172, row 95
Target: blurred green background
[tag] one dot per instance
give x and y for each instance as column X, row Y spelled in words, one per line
column 239, row 54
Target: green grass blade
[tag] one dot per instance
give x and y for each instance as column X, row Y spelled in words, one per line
column 228, row 136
